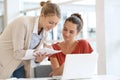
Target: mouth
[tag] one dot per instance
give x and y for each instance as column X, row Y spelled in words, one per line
column 66, row 37
column 47, row 29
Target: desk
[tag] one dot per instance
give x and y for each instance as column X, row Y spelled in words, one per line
column 98, row 77
column 106, row 77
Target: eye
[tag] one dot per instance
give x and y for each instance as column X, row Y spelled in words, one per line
column 51, row 22
column 65, row 29
column 72, row 32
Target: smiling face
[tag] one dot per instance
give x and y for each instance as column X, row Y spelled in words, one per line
column 49, row 22
column 69, row 31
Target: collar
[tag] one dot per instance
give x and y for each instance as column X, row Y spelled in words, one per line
column 35, row 30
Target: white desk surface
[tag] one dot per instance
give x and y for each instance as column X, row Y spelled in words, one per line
column 99, row 77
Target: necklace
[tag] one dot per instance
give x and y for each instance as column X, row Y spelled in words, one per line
column 68, row 48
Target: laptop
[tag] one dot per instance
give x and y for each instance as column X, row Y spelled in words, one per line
column 79, row 66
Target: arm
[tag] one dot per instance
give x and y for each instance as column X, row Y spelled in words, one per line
column 21, row 35
column 18, row 38
column 57, row 69
column 39, row 57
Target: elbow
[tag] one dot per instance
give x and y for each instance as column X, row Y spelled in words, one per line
column 18, row 54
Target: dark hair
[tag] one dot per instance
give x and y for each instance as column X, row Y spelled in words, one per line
column 76, row 19
column 49, row 8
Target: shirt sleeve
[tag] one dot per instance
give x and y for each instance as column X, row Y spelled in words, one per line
column 55, row 47
column 86, row 46
column 18, row 38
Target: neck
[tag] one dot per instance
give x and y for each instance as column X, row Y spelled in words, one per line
column 68, row 47
column 39, row 28
column 69, row 42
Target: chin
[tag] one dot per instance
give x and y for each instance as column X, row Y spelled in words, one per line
column 46, row 29
column 66, row 39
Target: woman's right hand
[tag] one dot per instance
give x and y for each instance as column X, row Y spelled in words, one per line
column 39, row 57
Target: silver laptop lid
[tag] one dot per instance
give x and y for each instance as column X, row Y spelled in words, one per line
column 80, row 66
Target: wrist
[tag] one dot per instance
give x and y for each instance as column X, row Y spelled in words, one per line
column 36, row 61
column 35, row 50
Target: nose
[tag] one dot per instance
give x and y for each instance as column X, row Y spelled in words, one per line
column 66, row 34
column 52, row 26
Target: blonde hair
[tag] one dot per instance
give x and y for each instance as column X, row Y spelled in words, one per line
column 49, row 8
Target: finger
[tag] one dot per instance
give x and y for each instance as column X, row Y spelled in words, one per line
column 34, row 55
column 40, row 54
column 37, row 55
column 45, row 53
column 48, row 55
column 36, row 52
column 51, row 74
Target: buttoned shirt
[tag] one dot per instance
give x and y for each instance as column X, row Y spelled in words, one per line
column 36, row 38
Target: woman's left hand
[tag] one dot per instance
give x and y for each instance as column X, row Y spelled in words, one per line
column 39, row 57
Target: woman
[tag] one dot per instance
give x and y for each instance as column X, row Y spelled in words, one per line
column 70, row 45
column 26, row 35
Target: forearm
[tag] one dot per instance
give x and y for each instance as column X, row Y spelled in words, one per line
column 19, row 54
column 58, row 71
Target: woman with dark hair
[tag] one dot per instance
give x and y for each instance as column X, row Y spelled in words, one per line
column 70, row 45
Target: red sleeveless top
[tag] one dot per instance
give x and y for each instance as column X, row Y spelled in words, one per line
column 82, row 47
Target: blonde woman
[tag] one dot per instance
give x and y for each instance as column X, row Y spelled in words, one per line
column 25, row 35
